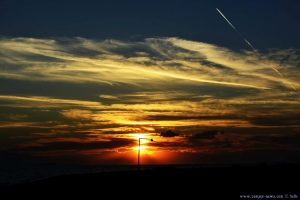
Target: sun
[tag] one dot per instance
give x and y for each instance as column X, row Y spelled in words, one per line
column 144, row 149
column 140, row 135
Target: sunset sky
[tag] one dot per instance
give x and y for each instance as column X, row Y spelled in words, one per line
column 81, row 81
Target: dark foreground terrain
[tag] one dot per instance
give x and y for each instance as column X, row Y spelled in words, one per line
column 282, row 181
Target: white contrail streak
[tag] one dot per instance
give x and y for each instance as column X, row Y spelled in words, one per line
column 252, row 47
column 233, row 27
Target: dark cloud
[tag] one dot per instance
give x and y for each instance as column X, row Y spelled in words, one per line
column 213, row 140
column 270, row 120
column 210, row 134
column 58, row 89
column 277, row 120
column 168, row 133
column 270, row 156
column 191, row 117
column 286, row 141
column 10, row 137
column 70, row 145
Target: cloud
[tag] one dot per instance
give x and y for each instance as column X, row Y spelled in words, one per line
column 287, row 141
column 17, row 117
column 45, row 101
column 150, row 62
column 203, row 117
column 89, row 90
column 109, row 97
column 168, row 133
column 258, row 65
column 19, row 124
column 210, row 134
column 156, row 110
column 277, row 120
column 79, row 145
column 77, row 114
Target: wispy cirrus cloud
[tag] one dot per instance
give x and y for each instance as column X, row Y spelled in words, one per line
column 67, row 91
column 152, row 61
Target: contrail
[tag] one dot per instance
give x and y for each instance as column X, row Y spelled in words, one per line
column 252, row 47
column 233, row 27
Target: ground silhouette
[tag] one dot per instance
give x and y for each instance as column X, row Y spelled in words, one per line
column 186, row 183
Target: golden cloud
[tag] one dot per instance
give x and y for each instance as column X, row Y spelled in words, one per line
column 162, row 61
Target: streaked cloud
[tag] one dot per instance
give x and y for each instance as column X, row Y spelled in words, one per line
column 44, row 101
column 79, row 145
column 98, row 95
column 149, row 62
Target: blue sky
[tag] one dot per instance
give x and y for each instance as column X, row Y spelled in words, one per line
column 267, row 24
